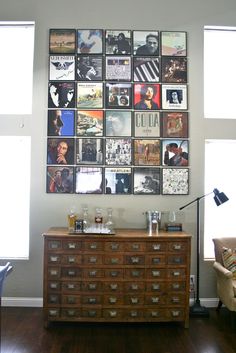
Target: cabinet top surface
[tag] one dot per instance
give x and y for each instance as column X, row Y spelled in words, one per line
column 119, row 233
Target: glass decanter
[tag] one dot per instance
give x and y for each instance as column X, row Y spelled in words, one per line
column 110, row 223
column 85, row 219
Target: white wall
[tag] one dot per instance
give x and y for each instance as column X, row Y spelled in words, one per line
column 50, row 210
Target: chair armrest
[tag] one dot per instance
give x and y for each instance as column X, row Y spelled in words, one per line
column 222, row 271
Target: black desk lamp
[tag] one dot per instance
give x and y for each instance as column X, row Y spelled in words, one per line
column 196, row 309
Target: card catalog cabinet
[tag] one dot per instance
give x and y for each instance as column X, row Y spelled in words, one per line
column 126, row 277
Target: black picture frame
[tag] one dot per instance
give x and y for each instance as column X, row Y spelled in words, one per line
column 62, row 41
column 174, row 97
column 146, row 69
column 61, row 94
column 174, row 69
column 175, row 152
column 118, row 123
column 146, row 43
column 118, row 68
column 173, row 43
column 175, row 124
column 89, row 95
column 118, row 42
column 175, row 181
column 60, row 180
column 118, row 181
column 88, row 180
column 146, row 181
column 89, row 41
column 89, row 151
column 118, row 151
column 61, row 67
column 60, row 151
column 89, row 123
column 61, row 122
column 118, row 95
column 89, row 67
column 147, row 152
column 145, row 93
column 147, row 123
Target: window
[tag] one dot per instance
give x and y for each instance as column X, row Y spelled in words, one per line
column 220, row 170
column 16, row 63
column 219, row 72
column 15, row 196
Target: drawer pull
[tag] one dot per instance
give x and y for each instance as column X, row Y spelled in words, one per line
column 175, row 300
column 53, row 312
column 135, row 260
column 92, row 260
column 92, row 286
column 54, row 245
column 53, row 299
column 70, row 286
column 134, row 300
column 113, row 313
column 175, row 286
column 156, row 260
column 114, row 273
column 114, row 260
column 71, row 245
column 156, row 246
column 71, row 259
column 54, row 258
column 156, row 273
column 133, row 313
column 71, row 300
column 135, row 246
column 134, row 286
column 92, row 313
column 71, row 273
column 92, row 273
column 112, row 300
column 135, row 273
column 155, row 286
column 154, row 314
column 113, row 286
column 114, row 246
column 175, row 313
column 155, row 300
column 92, row 300
column 71, row 312
column 176, row 273
column 177, row 260
column 53, row 285
column 93, row 246
column 177, row 247
column 54, row 272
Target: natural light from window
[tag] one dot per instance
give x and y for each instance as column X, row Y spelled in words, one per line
column 220, row 174
column 16, row 62
column 219, row 72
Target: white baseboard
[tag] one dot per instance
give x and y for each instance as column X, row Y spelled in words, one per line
column 38, row 302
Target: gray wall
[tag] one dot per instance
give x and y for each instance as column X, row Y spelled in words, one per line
column 50, row 210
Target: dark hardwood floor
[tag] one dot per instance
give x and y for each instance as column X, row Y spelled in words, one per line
column 23, row 332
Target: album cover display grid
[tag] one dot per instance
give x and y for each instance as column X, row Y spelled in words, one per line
column 117, row 112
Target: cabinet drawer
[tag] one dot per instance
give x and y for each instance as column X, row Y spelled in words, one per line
column 114, row 259
column 134, row 273
column 91, row 299
column 134, row 286
column 93, row 245
column 53, row 313
column 156, row 259
column 54, row 299
column 156, row 246
column 54, row 244
column 133, row 314
column 91, row 313
column 156, row 273
column 114, row 246
column 112, row 313
column 176, row 273
column 114, row 273
column 92, row 286
column 71, row 287
column 176, row 299
column 113, row 299
column 92, row 259
column 134, row 259
column 177, row 246
column 54, row 286
column 93, row 273
column 71, row 272
column 70, row 313
column 134, row 299
column 155, row 286
column 54, row 272
column 113, row 286
column 71, row 259
column 175, row 314
column 176, row 259
column 135, row 246
column 154, row 299
column 71, row 299
column 176, row 286
column 54, row 258
column 72, row 245
column 156, row 313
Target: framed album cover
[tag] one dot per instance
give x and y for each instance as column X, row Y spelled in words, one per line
column 89, row 123
column 61, row 94
column 175, row 181
column 89, row 151
column 89, row 95
column 118, row 123
column 147, row 96
column 174, row 97
column 118, row 95
column 118, row 68
column 146, row 124
column 175, row 124
column 89, row 68
column 173, row 43
column 118, row 42
column 146, row 69
column 62, row 41
column 118, row 151
column 175, row 153
column 60, row 151
column 89, row 41
column 62, row 67
column 88, row 180
column 174, row 69
column 146, row 181
column 60, row 180
column 147, row 152
column 146, row 43
column 118, row 181
column 61, row 122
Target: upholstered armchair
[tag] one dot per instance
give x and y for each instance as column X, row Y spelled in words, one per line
column 225, row 272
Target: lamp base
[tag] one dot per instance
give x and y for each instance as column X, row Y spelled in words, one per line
column 196, row 310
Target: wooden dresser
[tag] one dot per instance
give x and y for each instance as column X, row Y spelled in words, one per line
column 126, row 277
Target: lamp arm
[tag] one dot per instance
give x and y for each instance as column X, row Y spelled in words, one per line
column 195, row 200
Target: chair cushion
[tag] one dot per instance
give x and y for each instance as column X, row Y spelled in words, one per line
column 234, row 286
column 229, row 260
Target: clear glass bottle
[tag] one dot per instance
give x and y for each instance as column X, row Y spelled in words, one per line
column 71, row 218
column 85, row 219
column 98, row 215
column 110, row 223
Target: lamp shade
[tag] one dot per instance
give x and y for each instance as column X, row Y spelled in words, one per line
column 219, row 197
